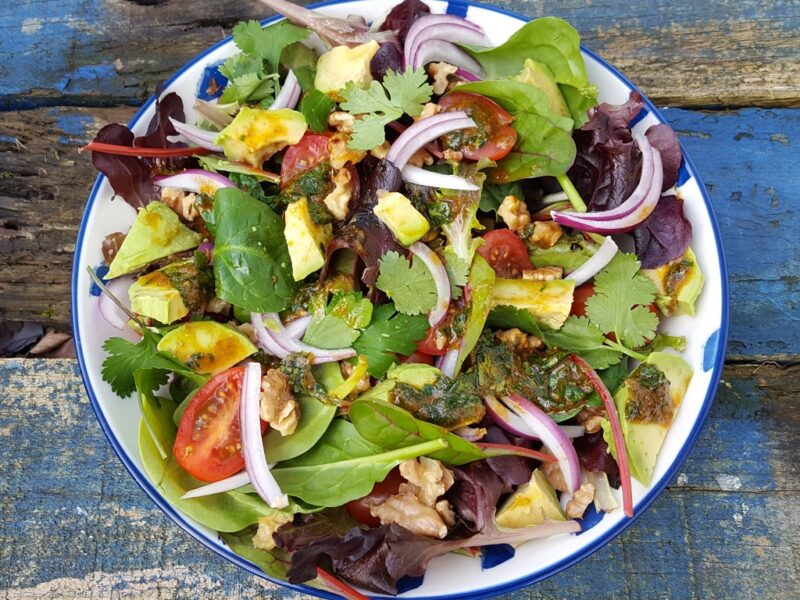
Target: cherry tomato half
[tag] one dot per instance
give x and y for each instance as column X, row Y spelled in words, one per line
column 359, row 509
column 208, row 444
column 433, row 344
column 494, row 137
column 506, row 253
column 421, row 358
column 304, row 155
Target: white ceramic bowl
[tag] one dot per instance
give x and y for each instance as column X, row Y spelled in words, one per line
column 450, row 576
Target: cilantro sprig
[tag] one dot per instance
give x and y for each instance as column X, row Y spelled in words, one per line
column 252, row 74
column 379, row 105
column 409, row 284
column 388, row 333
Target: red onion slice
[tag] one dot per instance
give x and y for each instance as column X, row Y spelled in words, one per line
column 596, row 263
column 634, row 213
column 218, row 487
column 418, row 176
column 438, row 25
column 321, row 355
column 255, row 460
column 448, row 362
column 514, row 424
column 264, row 339
column 468, row 75
column 111, row 313
column 196, row 135
column 616, row 429
column 297, row 328
column 442, row 51
column 289, row 95
column 551, row 436
column 440, row 278
column 197, row 181
column 423, row 132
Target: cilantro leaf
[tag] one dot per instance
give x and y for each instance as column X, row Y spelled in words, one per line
column 267, row 43
column 409, row 285
column 389, row 333
column 316, row 107
column 330, row 332
column 379, row 105
column 352, row 307
column 581, row 336
column 621, row 300
column 125, row 358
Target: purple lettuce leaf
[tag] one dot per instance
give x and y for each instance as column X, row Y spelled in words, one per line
column 665, row 234
column 475, row 494
column 129, row 176
column 664, row 139
column 402, row 17
column 593, row 453
column 512, row 470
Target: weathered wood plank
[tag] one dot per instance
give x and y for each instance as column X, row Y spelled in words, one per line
column 746, row 157
column 692, row 54
column 725, row 528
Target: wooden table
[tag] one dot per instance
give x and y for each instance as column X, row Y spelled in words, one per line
column 74, row 525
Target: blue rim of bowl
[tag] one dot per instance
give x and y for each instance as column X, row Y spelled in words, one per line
column 459, row 7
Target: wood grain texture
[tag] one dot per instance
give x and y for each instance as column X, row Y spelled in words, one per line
column 73, row 524
column 690, row 54
column 747, row 159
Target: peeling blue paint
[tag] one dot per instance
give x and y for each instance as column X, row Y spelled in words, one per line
column 87, row 79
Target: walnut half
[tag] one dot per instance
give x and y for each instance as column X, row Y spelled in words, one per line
column 278, row 406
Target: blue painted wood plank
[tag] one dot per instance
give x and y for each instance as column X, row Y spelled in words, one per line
column 74, row 524
column 94, row 52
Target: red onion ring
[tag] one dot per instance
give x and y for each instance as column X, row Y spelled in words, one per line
column 596, row 263
column 111, row 313
column 289, row 95
column 514, row 424
column 447, row 363
column 418, row 176
column 468, row 75
column 255, row 460
column 196, row 135
column 197, row 181
column 551, row 436
column 264, row 339
column 297, row 328
column 321, row 355
column 442, row 51
column 423, row 132
column 218, row 487
column 449, row 28
column 440, row 278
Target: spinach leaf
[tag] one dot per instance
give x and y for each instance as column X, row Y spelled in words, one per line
column 481, row 281
column 343, row 466
column 517, row 96
column 226, row 512
column 315, row 417
column 492, row 194
column 274, row 562
column 251, row 260
column 553, row 42
column 542, row 149
column 392, row 427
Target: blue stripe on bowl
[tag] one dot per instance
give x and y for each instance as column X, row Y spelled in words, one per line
column 641, row 115
column 211, row 74
column 457, row 8
column 684, row 175
column 687, row 171
column 710, row 350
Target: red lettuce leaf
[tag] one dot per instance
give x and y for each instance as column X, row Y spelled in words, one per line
column 129, row 176
column 663, row 138
column 665, row 235
column 402, row 17
column 475, row 494
column 512, row 470
column 593, row 453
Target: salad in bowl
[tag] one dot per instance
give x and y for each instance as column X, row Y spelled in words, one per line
column 394, row 291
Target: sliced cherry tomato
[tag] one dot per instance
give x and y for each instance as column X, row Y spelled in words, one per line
column 421, row 358
column 433, row 344
column 506, row 253
column 583, row 292
column 208, row 444
column 494, row 137
column 304, row 155
column 359, row 509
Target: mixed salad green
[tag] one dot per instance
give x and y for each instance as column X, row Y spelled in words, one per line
column 378, row 297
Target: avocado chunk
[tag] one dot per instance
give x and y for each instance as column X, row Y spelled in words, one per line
column 156, row 233
column 647, row 402
column 413, row 374
column 406, row 223
column 539, row 75
column 549, row 302
column 256, row 134
column 207, row 347
column 171, row 293
column 305, row 240
column 679, row 284
column 340, row 65
column 533, row 503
